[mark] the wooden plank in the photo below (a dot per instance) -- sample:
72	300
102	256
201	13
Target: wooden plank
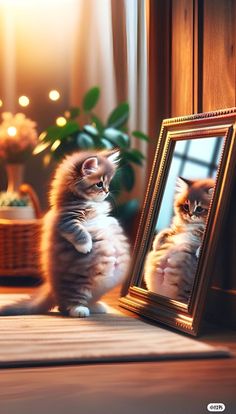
219	54
197	55
144	388
182	58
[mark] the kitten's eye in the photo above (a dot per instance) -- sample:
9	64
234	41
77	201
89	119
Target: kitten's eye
100	184
199	209
186	207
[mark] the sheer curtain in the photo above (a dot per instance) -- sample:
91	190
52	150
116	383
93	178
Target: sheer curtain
111	50
93	62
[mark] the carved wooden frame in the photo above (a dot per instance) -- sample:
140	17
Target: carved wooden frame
182	316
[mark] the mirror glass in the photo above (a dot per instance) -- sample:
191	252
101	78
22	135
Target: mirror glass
171	263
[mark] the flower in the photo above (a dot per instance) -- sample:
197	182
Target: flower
18	137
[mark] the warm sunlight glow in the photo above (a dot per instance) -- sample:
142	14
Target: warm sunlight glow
54	95
12	131
23	100
1	103
55	145
61	121
31	50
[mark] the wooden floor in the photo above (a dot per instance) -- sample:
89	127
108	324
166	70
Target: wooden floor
181	387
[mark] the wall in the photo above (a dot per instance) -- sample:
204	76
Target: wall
203	55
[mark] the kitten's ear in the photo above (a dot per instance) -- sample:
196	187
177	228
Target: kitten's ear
181	185
114	157
188	182
89	166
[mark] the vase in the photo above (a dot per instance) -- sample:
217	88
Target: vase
15	176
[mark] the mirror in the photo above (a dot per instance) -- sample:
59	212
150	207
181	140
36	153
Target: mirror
182	219
171	264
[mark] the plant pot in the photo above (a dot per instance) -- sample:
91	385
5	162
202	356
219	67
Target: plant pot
17	213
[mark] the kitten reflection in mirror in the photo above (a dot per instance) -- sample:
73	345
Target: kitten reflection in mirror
84	250
171	266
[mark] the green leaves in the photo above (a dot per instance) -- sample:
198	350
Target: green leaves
116	183
119	116
60	139
91	98
91	130
97	123
117	138
124	178
95	134
134	155
127	177
104	143
84	141
140	135
57	132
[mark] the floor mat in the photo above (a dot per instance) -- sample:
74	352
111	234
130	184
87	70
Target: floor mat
54	340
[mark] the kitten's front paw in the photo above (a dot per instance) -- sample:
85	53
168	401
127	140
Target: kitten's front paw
79	311
84	247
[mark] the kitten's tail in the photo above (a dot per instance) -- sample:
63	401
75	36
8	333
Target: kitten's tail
38	304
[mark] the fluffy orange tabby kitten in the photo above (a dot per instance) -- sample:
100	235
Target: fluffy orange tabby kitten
84	252
171	266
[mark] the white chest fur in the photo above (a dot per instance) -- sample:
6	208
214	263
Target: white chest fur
100	221
189	237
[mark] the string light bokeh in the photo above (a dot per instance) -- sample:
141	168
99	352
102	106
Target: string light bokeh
24	101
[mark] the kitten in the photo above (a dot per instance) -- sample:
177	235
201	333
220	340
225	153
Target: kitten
84	252
171	266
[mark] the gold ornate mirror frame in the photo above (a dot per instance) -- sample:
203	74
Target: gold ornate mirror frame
185	317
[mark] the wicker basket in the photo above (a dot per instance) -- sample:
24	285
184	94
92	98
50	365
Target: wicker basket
19	243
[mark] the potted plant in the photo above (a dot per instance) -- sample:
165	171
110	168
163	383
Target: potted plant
18	137
14	206
81	129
